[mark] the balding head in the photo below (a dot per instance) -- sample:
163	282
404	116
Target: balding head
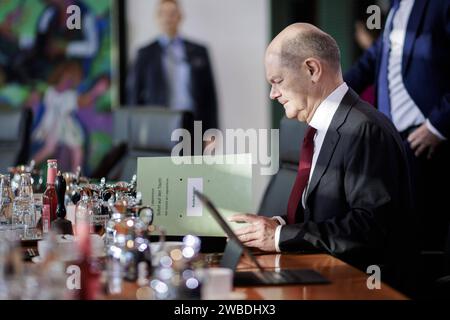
300	41
303	68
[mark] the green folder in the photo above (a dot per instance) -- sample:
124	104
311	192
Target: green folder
167	185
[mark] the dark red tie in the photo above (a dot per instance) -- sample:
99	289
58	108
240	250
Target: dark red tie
304	168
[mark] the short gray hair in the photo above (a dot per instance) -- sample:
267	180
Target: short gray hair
309	44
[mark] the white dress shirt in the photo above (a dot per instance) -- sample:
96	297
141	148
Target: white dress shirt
320	121
178	73
405	113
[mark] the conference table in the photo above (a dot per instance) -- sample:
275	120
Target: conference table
346	282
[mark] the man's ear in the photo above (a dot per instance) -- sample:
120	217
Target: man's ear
314	68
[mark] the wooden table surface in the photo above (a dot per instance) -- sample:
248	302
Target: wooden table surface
347	282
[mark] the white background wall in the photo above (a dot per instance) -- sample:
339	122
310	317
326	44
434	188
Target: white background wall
236	33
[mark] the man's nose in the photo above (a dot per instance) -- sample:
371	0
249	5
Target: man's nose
274	93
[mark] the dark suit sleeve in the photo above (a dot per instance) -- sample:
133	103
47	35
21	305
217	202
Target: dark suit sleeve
440	114
210	96
362	73
372	167
134	80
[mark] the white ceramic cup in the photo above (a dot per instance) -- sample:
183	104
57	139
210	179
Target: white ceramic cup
217	283
44	247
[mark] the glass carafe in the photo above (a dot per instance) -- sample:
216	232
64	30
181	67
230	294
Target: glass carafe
93	210
23	204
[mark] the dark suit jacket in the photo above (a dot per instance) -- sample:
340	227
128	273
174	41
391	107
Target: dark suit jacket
425	64
147	84
358	204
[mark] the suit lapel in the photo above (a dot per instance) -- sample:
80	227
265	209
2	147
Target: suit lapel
331	139
415	19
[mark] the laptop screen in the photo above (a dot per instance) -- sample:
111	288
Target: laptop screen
232	253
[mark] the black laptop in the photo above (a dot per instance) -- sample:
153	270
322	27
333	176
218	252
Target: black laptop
234	250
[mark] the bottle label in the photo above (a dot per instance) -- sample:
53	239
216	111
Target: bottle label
99	219
51	175
46	218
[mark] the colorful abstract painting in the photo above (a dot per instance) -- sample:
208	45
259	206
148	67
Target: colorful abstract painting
62	74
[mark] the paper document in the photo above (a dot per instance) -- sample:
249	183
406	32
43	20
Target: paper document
168	187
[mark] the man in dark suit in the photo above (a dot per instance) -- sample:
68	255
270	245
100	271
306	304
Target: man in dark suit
351	196
410	68
173	72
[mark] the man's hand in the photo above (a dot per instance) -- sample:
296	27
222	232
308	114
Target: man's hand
422	140
259	234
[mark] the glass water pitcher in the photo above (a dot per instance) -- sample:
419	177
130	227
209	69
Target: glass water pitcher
23	204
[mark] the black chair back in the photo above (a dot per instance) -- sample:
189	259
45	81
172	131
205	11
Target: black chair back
276	197
15	126
146	132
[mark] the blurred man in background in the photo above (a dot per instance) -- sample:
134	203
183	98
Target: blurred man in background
174	72
409	66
